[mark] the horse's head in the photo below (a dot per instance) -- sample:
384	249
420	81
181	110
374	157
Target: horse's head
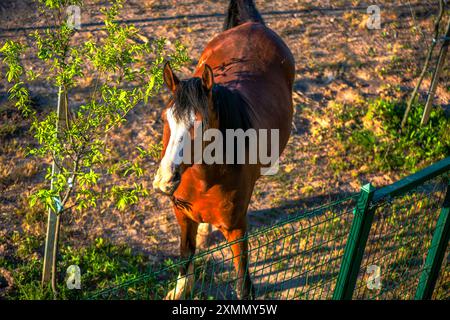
191	103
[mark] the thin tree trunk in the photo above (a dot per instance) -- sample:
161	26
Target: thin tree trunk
52	215
55	255
426	65
54	220
440	65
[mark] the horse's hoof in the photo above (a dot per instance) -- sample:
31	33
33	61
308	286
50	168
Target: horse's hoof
171	295
182	288
174	295
246	293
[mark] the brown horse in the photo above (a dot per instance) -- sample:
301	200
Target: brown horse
243	80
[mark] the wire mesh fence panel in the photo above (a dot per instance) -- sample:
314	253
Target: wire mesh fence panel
302	256
442	290
297	258
398	242
301	260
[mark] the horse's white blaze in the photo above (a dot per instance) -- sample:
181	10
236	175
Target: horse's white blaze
173	155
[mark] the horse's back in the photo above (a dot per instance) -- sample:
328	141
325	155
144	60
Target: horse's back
250	50
254	60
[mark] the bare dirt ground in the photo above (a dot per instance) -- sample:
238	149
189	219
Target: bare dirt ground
337	60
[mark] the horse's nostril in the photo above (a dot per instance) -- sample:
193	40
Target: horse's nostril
176	177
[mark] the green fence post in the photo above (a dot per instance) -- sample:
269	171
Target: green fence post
355	246
436	252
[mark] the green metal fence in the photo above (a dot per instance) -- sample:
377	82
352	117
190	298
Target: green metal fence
403	230
334	251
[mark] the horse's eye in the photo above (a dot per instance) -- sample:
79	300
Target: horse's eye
181	153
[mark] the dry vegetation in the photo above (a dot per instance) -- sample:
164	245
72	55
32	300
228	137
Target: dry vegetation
339	62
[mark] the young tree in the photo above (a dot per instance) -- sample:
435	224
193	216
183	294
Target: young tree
413	97
436	76
127	71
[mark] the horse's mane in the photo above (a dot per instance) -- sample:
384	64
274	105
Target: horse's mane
231	108
191	96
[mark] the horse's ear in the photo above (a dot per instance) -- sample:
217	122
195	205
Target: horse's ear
170	79
208	78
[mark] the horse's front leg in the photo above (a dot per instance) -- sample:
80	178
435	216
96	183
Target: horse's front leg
185	280
244	286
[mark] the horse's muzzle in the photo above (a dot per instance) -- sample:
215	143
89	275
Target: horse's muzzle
166	186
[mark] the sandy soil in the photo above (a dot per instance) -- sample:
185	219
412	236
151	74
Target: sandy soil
337	59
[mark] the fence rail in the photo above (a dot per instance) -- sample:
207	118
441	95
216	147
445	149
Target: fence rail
387	243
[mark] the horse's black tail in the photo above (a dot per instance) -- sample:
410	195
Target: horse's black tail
241	11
